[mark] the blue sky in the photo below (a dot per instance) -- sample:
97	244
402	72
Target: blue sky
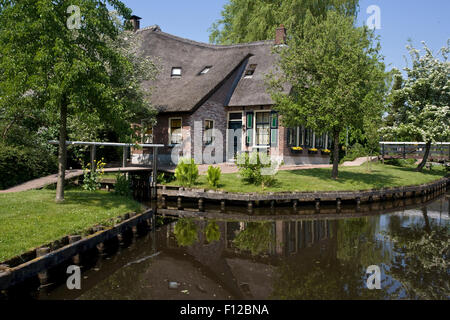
419	20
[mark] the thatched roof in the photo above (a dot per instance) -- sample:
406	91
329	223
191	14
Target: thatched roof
186	93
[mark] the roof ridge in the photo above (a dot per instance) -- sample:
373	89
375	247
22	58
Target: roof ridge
155	29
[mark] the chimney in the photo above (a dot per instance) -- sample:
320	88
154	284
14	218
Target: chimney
135	22
280	35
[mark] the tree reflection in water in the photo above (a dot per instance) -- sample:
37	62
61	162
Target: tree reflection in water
421	263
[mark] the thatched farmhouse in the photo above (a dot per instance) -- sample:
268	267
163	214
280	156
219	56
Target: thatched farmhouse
213	99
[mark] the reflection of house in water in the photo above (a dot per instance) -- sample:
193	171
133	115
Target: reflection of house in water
252	276
288	236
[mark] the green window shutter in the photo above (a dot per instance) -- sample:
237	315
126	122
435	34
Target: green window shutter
273	137
249	120
249	137
274	120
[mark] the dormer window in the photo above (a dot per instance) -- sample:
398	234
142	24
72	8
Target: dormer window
250	71
205	70
176	72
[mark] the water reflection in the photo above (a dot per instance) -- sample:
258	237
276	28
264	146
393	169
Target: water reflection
283	259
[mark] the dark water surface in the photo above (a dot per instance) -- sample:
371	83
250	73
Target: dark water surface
298	258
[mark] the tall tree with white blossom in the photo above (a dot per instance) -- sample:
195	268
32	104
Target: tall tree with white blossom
426	91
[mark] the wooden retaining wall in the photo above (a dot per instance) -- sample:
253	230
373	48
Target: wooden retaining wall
45	259
295	198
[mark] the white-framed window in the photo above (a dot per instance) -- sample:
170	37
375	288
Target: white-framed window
205	70
250	71
209	131
176	72
262	128
175	131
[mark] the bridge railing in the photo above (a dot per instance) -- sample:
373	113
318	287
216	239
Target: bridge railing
440	151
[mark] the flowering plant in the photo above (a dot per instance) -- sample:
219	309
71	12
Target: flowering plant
91	181
297	148
326	151
313	150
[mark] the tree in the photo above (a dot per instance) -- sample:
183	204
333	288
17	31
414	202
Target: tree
250	20
335	75
79	73
396	102
425	115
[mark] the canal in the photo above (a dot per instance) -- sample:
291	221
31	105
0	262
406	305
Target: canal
276	258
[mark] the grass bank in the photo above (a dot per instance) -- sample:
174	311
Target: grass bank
350	179
32	218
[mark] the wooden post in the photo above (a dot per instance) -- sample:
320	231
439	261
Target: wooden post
101	248
201	206
43	276
76	258
134	230
317	204
250	207
358	203
404	151
180	203
120	238
222	205
338	204
155	173
164	202
93	152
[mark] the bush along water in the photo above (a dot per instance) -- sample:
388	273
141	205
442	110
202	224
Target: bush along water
186	172
122	186
213	176
254	168
91	178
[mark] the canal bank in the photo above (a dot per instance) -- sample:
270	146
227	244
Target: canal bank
278	258
37	263
295	199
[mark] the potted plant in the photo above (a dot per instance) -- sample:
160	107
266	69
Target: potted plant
312	151
326	152
297	150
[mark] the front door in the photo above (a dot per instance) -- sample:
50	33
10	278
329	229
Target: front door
234	140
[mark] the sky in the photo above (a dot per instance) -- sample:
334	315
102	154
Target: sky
418	20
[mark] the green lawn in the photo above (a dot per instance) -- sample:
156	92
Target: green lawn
350	178
31	219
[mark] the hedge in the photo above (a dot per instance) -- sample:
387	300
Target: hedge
21	164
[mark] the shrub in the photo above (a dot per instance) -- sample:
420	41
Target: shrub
354	152
21	164
186	172
251	167
401	162
91	178
122	186
165	177
213	176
